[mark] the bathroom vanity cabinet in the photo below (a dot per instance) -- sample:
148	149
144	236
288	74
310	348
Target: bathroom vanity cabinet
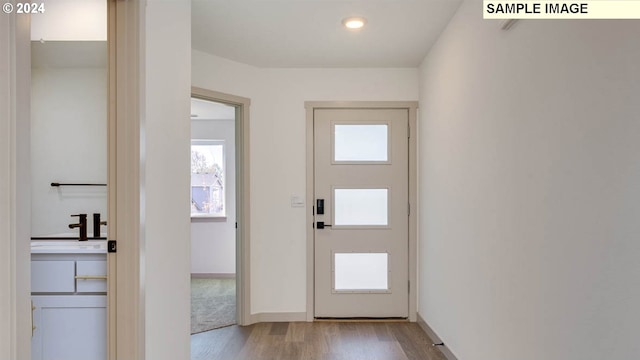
69	302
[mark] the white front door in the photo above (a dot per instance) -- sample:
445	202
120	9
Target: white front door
361	221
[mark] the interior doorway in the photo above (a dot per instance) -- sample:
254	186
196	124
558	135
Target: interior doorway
69	161
124	319
213	217
219	210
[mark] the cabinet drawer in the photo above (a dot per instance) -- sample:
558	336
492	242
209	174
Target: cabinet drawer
52	276
91	276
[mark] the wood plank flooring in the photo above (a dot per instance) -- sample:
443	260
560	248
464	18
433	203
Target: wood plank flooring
315	341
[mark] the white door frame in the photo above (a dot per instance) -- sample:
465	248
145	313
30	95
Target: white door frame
125	309
243	278
15	186
412	107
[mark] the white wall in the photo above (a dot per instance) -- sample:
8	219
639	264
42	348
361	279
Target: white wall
278	145
213	241
530	189
165	176
68	144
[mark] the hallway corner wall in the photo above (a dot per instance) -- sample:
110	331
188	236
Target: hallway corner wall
530	188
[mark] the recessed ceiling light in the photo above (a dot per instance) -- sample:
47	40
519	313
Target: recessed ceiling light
354	23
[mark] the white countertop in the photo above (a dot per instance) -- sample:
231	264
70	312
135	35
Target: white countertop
69	247
74	235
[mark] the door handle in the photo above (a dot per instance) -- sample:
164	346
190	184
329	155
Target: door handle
91	277
33	326
322	225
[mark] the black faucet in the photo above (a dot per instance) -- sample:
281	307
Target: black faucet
82	225
96	225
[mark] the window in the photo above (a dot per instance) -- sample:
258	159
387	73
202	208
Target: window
207	178
361	272
361	207
361	143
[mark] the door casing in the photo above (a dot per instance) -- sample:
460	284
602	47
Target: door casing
243	285
15	186
412	107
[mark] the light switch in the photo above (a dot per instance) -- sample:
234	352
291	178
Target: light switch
297	201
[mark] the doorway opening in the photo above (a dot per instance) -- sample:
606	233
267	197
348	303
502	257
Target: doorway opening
213	204
219	210
69	161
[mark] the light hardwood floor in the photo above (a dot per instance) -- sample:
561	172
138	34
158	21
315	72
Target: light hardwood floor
315	341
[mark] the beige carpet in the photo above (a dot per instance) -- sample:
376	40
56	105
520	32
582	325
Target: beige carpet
213	304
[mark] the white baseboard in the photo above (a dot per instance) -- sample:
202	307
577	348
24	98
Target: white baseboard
279	317
436	339
212	276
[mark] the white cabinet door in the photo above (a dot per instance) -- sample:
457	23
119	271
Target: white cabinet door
70	327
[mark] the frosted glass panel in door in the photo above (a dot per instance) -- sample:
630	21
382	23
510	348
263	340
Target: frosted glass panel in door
360	143
361	271
361	207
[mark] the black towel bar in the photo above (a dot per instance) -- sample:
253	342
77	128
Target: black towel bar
55	184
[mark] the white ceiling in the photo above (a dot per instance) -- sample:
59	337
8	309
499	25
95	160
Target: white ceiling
309	33
70	20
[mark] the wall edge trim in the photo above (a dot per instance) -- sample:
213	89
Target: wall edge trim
435	338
